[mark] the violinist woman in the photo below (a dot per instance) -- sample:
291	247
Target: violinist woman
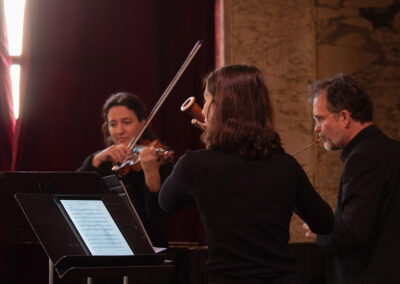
124	117
244	184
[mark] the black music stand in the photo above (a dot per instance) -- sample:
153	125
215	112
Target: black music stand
68	256
16	227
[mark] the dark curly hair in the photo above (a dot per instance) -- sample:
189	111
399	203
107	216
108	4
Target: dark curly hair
242	120
343	92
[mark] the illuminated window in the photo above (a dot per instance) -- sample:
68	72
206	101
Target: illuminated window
14	15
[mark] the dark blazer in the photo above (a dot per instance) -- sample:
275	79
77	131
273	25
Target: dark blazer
364	245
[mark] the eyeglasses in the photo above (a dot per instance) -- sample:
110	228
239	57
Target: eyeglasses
320	119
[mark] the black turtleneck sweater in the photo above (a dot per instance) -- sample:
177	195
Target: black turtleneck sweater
246	207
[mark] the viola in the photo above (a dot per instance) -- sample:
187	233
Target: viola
132	161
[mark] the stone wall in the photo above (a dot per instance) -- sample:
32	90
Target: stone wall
294	42
361	38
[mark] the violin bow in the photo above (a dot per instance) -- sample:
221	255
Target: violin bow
167	91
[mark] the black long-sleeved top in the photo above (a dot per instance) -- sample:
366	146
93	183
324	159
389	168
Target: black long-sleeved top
364	243
246	207
145	201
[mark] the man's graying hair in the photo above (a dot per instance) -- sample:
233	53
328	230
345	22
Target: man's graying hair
343	92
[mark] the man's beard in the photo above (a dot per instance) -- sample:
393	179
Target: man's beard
329	145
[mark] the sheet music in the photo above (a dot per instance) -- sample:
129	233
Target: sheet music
96	227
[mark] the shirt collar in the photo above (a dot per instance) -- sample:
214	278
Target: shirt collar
363	134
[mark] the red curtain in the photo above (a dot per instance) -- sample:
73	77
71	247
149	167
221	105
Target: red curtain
7	122
80	52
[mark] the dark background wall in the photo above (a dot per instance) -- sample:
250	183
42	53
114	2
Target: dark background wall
76	53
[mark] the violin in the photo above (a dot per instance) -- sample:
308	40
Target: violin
132	161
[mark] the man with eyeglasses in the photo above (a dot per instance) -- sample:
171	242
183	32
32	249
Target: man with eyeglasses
364	244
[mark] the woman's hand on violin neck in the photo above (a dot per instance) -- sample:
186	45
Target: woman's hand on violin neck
114	153
149	159
151	164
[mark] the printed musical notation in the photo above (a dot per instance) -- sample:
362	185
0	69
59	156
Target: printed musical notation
96	227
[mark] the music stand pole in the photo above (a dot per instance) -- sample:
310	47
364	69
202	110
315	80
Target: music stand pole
51	272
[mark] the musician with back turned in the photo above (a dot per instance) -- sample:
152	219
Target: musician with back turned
364	245
244	183
124	117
